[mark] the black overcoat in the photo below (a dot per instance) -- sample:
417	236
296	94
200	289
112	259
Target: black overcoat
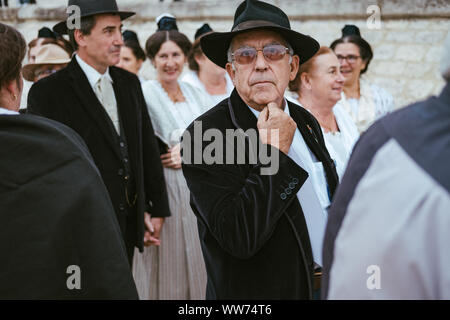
67	97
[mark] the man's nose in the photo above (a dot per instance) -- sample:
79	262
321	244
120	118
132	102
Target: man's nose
261	62
118	39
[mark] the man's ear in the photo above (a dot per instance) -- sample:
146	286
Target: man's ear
231	72
79	38
295	63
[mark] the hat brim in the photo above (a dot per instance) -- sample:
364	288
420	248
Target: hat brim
215	45
29	69
61	27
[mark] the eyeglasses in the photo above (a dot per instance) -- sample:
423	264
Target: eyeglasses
271	52
350	58
45	72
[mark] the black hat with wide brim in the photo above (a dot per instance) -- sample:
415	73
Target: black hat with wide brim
254	15
90	8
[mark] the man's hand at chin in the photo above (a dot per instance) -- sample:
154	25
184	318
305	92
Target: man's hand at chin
273	121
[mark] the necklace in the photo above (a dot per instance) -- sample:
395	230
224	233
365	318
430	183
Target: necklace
177	96
333	129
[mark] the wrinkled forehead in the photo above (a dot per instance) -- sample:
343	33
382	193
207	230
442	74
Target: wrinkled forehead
257	39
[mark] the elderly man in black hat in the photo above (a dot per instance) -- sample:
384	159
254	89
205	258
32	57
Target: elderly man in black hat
105	106
261	231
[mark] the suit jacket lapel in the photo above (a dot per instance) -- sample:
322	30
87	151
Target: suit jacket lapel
127	111
243	118
91	104
311	133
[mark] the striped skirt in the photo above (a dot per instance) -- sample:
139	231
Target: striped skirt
175	270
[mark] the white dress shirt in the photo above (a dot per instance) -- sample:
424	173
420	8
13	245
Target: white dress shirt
313	195
7	111
94	78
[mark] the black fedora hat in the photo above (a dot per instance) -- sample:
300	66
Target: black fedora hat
90	8
253	15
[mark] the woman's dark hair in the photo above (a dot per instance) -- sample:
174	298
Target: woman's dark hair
131	41
351	34
196	51
156	40
12	51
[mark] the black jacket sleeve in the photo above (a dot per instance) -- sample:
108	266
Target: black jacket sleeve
239	205
154	181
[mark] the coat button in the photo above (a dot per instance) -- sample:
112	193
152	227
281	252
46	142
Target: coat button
295	180
288	191
283	196
121	207
291	185
126	159
120	172
122	144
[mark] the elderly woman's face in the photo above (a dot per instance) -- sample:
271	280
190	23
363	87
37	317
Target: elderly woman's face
350	60
169	62
261	80
46	70
326	79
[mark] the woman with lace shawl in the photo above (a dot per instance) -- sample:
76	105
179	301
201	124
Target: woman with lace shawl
173	268
364	101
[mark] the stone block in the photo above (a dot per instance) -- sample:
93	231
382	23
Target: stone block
419	89
430	36
387	68
434	54
384	51
401	36
410	53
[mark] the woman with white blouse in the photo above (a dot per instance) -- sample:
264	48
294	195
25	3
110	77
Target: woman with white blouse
318	87
173	269
364	101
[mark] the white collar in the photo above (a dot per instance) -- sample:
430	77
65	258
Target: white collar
92	75
7	111
286	109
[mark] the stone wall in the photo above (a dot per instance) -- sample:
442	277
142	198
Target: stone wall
407	46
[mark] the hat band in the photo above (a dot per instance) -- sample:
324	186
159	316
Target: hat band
254	24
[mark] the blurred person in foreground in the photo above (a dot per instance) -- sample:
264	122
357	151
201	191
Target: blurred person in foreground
131	54
206	75
105	106
55	211
388	232
261	223
318	86
175	270
364	101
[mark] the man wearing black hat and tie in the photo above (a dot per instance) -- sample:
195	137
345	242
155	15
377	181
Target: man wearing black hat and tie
260	232
105	106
